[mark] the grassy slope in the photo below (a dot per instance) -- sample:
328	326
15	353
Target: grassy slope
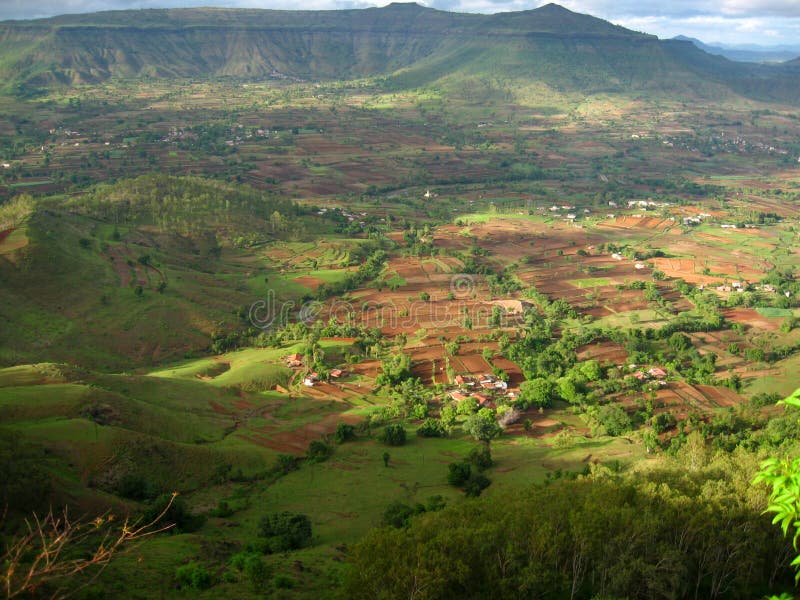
552	45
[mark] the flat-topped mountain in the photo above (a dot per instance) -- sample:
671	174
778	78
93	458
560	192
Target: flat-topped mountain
409	44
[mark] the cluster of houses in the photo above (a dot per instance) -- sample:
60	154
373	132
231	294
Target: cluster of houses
743	286
296	361
655	374
350	216
638	266
484	389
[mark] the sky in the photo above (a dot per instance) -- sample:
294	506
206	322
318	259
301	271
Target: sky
763	22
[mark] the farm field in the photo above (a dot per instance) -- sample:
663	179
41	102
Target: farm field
374	305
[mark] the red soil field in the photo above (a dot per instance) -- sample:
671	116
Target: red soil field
750	317
311	283
604	352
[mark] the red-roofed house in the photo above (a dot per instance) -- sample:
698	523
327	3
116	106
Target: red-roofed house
294	360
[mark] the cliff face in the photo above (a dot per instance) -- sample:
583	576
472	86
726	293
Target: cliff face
409	44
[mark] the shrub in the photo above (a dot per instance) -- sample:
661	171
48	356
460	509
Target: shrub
481	457
398	514
394	435
476	484
285	530
458	473
285	464
432	428
177	514
318	451
193	577
256	572
344	433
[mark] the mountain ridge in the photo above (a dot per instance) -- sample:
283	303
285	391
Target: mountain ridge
552	44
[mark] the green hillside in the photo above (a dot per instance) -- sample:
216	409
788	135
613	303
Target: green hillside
410	44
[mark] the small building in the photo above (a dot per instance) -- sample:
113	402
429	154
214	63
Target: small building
308	382
458	396
658	373
500	385
459	379
640	376
294	360
639	266
484	401
337	373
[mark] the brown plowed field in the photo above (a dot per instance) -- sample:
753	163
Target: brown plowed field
751	318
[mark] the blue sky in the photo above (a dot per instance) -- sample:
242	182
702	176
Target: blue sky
765	22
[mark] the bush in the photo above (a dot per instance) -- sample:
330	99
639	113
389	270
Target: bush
662	421
318	451
614	419
193	577
394	435
136	487
458	473
285	531
481	457
476	484
256	572
398	514
344	433
177	514
285	464
764	399
432	428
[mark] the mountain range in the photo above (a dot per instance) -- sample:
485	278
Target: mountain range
747	53
407	44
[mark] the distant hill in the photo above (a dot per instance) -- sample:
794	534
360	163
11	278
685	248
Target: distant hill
757	54
408	44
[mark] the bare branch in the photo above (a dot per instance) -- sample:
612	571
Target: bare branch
49	540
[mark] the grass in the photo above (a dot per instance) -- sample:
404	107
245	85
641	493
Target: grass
770	312
590	282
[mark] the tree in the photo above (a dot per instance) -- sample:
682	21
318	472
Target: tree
482	425
452	348
614	419
539	392
395	369
783	477
481	457
394	435
458	473
432	428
